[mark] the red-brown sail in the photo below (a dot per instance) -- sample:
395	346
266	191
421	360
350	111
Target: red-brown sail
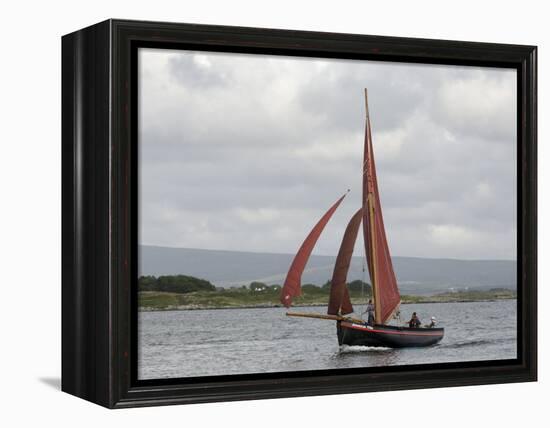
339	302
384	285
293	282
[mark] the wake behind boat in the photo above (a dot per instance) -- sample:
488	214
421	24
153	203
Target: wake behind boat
385	292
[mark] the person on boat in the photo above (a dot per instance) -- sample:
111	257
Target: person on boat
414	321
370	313
432	323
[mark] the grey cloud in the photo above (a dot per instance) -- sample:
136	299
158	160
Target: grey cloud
188	70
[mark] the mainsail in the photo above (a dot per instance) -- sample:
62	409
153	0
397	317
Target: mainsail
293	282
384	285
339	302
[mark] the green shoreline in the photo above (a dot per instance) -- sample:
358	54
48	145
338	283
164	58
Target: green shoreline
150	301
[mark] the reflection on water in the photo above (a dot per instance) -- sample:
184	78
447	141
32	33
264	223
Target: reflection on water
377	356
230	341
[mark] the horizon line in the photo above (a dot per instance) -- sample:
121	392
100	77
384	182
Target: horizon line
320	255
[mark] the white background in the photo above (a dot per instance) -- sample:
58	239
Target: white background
30	212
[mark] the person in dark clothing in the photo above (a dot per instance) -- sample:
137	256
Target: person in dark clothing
414	321
370	313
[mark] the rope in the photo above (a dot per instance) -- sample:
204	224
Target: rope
363	282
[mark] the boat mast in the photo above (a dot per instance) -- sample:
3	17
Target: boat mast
372	235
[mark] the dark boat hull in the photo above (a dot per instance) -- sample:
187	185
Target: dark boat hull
353	334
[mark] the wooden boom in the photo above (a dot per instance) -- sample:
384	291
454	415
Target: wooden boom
324	317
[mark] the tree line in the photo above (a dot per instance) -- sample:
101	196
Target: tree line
187	284
174	284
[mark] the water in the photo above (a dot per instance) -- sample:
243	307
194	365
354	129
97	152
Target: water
231	341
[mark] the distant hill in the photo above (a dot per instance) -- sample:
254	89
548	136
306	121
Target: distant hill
235	268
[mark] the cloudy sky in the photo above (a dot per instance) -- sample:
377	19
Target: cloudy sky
246	152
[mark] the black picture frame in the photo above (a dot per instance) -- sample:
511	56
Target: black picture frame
99	185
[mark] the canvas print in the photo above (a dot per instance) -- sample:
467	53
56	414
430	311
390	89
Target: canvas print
301	214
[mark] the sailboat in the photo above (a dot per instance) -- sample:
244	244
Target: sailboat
350	330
